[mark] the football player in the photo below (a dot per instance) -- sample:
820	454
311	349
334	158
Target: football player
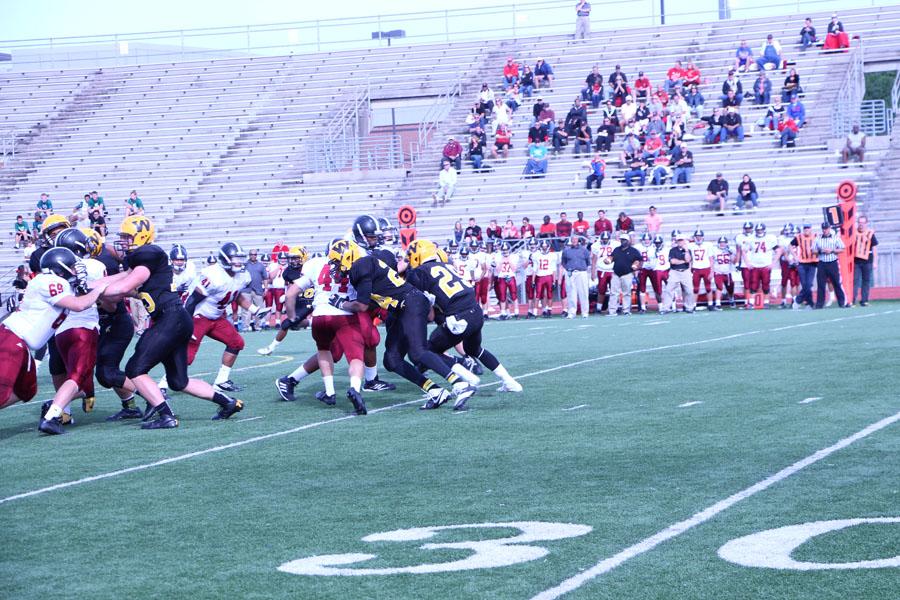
722	266
602	265
548	272
375	282
184	271
659	256
457	313
505	287
646	273
761	252
284	275
482	274
701	266
48	300
389	233
741	241
149	276
790	274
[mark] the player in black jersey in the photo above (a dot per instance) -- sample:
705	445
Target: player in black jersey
148	276
376	282
456	310
297	255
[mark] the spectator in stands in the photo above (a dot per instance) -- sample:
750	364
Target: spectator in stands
20	284
458	232
582	19
678	106
543	74
743	57
473	231
96	201
593	77
134	205
683	164
762	89
732	125
653	221
598	172
663	96
606	135
807	34
560	138
732	83
714	127
37	224
770	54
620	91
512	98
548	117
44	205
642	86
583	138
494	232
510	231
475	119
661	170
279	247
502	112
602	223
624	223
797	111
717	194
575	117
642	114
527	229
836	37
548	229
791	86
452	154
674	77
731	100
446	184
616	74
510	73
691	74
773	115
746	193
502	139
628	110
612	113
694	100
653	147
98	222
563	226
485	100
788	129
537	160
580	227
855	146
23	233
679	128
476	151
526	83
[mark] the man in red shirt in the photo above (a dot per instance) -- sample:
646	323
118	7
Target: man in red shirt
548	229
453	153
580	227
691	75
527	228
602	223
788	128
642	86
279	246
510	73
563	227
674	77
653	147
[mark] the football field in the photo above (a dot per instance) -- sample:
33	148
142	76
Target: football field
742	454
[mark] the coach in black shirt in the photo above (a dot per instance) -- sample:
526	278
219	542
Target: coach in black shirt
626	261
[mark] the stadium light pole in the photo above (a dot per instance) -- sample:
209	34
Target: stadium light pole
662	12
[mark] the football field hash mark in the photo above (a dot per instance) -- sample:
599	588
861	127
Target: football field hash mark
809	400
575	407
694	403
214	449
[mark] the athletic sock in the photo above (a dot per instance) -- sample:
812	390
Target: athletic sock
165	409
221	399
355	383
67	409
465	374
371	373
163	383
299	373
328	380
452	378
224	374
53	412
502	373
427	385
129	402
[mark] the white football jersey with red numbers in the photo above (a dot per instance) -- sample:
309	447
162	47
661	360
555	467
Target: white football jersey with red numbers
723	261
740	241
461	268
506	266
545	264
221	288
701	254
89	318
181	282
475	267
645	252
38	317
760	251
604	255
525	265
317	275
660	258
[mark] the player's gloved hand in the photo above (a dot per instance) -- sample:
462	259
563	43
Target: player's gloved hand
81	286
335	300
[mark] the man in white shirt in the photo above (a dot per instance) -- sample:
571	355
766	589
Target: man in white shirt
855	146
446	184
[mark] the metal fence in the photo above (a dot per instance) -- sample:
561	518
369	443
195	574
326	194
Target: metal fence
336	146
436	113
875	118
846	110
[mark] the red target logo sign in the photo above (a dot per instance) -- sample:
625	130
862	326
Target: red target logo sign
406	216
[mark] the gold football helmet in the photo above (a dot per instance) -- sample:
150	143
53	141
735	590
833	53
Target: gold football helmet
342	254
297	255
135	231
421	251
95	240
52	226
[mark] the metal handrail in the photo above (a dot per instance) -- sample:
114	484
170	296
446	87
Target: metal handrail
846	110
337	146
436	113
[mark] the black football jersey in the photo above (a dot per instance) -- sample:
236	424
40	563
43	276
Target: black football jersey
452	295
156	292
34	261
386	255
377	282
111	262
291	275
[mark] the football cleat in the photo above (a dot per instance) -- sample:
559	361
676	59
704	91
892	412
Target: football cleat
462	392
472	365
126	413
264	351
325	398
510	386
436	397
161	422
227	386
285	387
356	399
150	412
233	406
87	403
377	385
165	394
51	426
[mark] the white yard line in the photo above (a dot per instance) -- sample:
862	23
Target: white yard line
250	419
694	403
276	434
672	531
576	407
809	400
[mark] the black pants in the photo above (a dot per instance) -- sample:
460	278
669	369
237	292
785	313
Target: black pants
408	335
116	331
165	341
828	271
862	279
442	339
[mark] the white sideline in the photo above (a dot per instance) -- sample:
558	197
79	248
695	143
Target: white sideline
260	438
647	544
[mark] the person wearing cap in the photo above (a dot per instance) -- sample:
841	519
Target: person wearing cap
769	54
576	260
452	153
797	111
836	37
606	135
642	86
594	77
582	19
743	57
733	125
807	263
626	262
680	276
865	260
510	73
254	290
788	129
827	246
717	194
682	163
732	83
543	73
807	34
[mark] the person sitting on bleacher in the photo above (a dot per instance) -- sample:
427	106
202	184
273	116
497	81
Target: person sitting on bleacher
617	73
577	115
695	100
475	119
526	83
655	126
37	225
510	73
606	135
674	77
677	128
628	109
791	85
44	205
747	194
476	151
592	78
636	168
96	201
543	73
789	130
642	86
452	153
836	37
98	222
510	231
485	100
624	223
855	146
548	117
797	111
732	125
620	91
661	95
446	185
537	160
773	115
512	98
770	54
502	139
714	127
598	172
502	113
653	147
642	114
661	171
717	194
678	107
527	229
691	74
631	147
612	113
133	205
538	132
743	57
23	233
583	138
762	89
731	100
732	84
683	163
560	138
807	34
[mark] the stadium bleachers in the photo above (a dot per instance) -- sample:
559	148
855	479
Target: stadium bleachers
215	147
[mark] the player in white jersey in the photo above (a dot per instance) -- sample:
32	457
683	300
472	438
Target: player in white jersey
645	247
547	271
529	281
183	271
460	264
701	265
505	287
761	251
48	300
723	267
602	267
659	259
480	256
790	275
740	241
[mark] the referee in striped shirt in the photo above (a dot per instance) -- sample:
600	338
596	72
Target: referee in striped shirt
827	246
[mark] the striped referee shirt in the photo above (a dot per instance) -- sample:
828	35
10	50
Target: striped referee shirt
827	247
